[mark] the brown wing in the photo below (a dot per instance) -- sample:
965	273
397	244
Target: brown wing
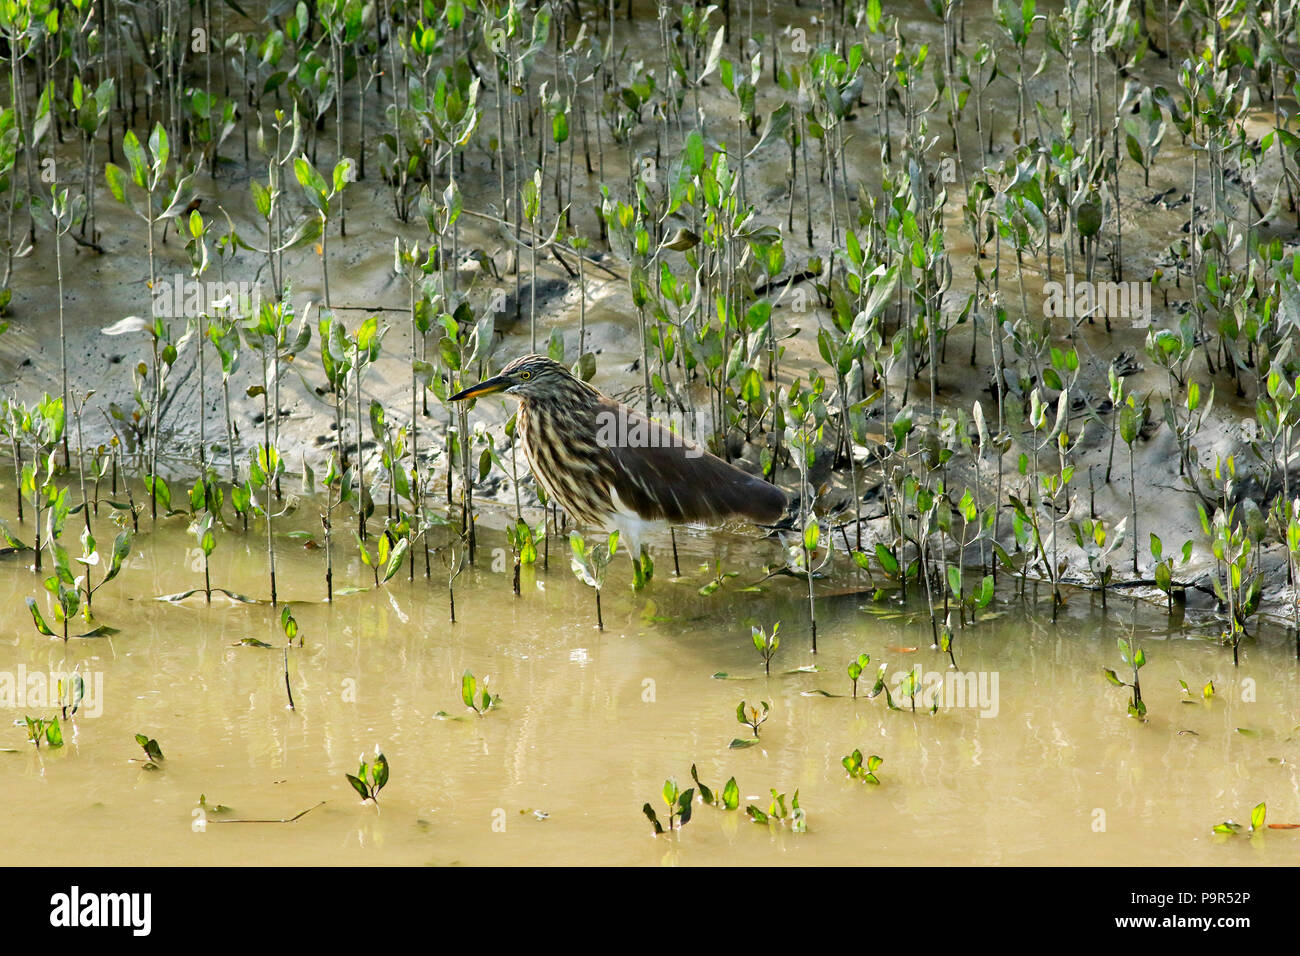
665	477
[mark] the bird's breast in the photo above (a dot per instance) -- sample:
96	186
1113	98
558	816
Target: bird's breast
565	459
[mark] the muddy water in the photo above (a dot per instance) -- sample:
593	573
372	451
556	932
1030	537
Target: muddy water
591	723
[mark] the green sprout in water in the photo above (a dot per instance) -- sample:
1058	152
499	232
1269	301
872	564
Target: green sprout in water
1190	696
679	808
856	667
589	565
371	777
289	624
387	557
39	729
766	644
858	770
1136	658
1257	815
751	717
151	751
478	702
728	798
777	813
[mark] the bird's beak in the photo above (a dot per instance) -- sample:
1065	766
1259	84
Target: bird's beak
498	384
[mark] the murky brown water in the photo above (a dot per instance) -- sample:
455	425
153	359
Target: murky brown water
592	723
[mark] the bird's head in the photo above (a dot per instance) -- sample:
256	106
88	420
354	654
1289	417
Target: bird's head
529	376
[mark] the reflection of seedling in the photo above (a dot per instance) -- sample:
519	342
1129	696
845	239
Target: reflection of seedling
480	703
39	729
726	799
371	777
751	717
766	645
777	813
679	808
866	772
151	750
1136	658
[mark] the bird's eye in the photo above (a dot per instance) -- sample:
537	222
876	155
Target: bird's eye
525	375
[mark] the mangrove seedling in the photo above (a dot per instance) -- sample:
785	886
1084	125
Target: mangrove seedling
858	770
387	556
856	667
777	812
751	717
589	565
479	702
457	561
523	545
679	808
1257	816
766	644
728	798
1136	658
1164	567
911	685
289	624
76	688
1191	697
1098	544
371	777
153	753
39	728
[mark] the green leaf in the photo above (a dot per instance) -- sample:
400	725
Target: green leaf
357	785
468	688
38	619
731	795
395	559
